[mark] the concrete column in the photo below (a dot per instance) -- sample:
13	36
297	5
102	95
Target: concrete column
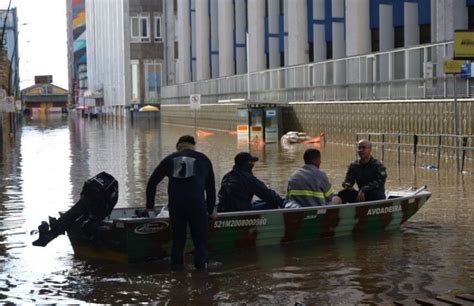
319	31
386	31
434	21
386	36
256	20
184	42
411	26
226	42
338	41
240	37
273	30
169	39
202	40
214	40
460	15
297	32
448	16
358	25
412	38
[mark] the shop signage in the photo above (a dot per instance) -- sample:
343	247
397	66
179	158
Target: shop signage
464	45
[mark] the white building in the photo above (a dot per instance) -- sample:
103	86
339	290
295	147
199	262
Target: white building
127	43
202	41
281	33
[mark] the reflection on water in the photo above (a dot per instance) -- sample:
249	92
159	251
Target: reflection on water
44	167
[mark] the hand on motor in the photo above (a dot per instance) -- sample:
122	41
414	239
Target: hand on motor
360	197
213	216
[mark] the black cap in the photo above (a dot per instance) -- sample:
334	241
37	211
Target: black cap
244	157
186	138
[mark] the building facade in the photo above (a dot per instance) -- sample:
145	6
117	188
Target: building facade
77	56
282	33
143	51
9	70
128	43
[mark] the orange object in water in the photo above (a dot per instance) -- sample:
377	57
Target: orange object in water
316	139
257	141
202	134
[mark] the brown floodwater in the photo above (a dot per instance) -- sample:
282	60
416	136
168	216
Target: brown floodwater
43	168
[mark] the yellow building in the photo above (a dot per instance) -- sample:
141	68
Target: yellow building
44	98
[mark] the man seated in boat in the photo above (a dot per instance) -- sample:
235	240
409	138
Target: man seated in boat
368	173
309	186
240	185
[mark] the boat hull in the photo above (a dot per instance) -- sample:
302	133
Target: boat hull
127	239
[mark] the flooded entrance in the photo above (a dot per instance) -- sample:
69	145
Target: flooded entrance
44	167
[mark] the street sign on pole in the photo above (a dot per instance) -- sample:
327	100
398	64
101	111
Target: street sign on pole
466	70
195	102
452	66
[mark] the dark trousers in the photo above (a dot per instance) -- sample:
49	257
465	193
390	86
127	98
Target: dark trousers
194	214
350	195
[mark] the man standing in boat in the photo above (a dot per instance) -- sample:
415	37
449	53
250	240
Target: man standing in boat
309	186
240	185
190	175
369	174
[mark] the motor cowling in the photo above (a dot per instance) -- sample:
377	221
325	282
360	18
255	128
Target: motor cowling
100	195
98	198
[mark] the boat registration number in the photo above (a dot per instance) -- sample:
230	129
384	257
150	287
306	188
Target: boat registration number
239	223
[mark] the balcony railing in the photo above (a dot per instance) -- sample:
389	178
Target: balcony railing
400	74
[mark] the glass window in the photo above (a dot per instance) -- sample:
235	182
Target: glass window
152	81
135	28
140	28
157	28
144	27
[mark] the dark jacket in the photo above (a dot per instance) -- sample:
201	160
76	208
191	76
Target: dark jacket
238	188
369	177
190	174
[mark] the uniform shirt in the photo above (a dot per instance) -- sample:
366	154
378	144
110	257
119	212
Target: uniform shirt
309	186
369	177
190	174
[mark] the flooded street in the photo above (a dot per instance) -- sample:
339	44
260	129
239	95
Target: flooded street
43	169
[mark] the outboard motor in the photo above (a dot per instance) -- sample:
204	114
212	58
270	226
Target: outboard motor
98	198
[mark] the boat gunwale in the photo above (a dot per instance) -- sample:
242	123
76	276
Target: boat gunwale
421	194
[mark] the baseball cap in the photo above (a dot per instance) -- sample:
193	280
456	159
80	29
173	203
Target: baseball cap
186	138
244	157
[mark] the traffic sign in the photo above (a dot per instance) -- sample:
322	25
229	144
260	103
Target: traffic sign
195	101
466	70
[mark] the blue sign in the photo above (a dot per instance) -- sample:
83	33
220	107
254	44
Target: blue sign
466	70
